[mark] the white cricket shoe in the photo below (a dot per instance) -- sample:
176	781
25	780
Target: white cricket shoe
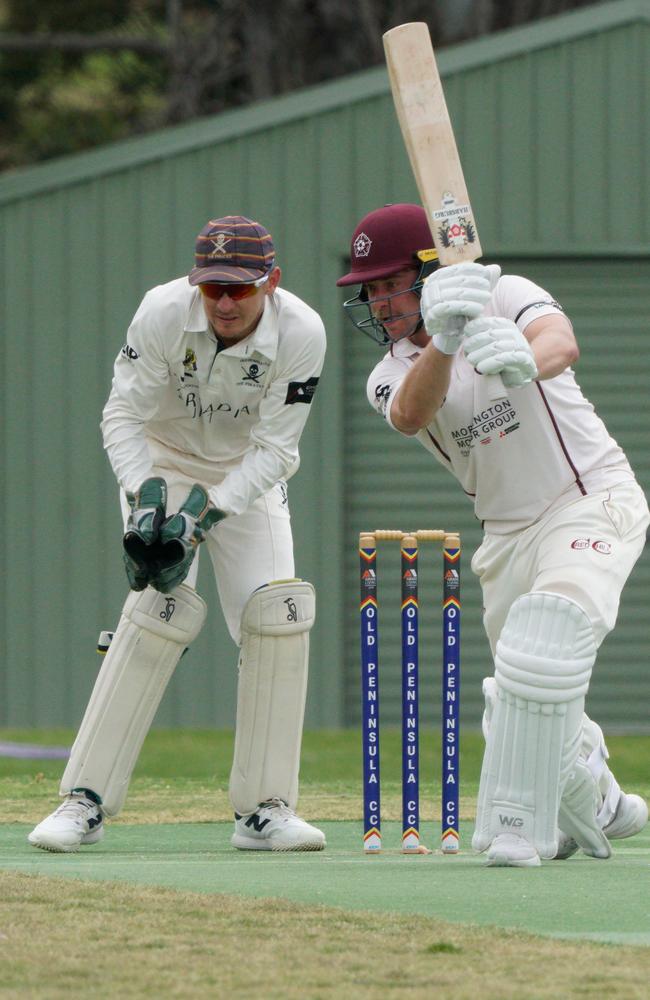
629	819
509	850
275	827
77	821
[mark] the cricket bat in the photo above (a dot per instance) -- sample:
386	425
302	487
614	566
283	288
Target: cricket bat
431	146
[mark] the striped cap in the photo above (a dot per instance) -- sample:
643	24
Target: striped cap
232	249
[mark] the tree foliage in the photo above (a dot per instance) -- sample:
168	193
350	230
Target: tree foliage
78	73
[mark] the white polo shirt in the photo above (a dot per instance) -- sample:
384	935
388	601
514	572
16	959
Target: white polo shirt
520	457
229	419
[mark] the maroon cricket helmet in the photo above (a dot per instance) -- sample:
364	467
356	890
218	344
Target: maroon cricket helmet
386	241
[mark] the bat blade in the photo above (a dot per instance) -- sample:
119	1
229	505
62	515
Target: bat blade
431	146
430	142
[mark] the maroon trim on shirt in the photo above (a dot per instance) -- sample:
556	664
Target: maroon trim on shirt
532	305
443	453
575	472
446	456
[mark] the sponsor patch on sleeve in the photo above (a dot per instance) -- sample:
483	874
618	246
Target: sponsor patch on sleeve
382	394
302	392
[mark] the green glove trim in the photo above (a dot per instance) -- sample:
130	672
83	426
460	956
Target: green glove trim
141	542
179	537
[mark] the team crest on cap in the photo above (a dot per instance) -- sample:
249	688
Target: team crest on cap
219	243
361	245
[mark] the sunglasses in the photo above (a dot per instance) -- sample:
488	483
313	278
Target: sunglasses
242	290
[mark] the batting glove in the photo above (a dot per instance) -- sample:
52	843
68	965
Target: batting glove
496	345
451	296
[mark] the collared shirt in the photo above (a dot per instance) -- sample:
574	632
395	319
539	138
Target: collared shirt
230	419
520	457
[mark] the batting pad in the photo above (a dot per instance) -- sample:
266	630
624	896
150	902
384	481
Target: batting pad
591	793
152	634
543	665
596	755
271	693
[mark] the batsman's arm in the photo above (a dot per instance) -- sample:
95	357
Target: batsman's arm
422	391
553	344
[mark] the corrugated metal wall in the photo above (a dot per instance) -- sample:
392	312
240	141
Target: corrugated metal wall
551	122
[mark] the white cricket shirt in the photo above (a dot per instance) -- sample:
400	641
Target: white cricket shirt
229	419
520	457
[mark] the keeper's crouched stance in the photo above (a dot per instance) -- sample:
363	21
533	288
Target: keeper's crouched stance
154	630
209	399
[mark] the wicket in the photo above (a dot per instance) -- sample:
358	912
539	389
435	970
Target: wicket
369	613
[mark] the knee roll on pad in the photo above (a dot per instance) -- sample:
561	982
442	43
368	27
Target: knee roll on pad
546	649
153	632
271	694
543	664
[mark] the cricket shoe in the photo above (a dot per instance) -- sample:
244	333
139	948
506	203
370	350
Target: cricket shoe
275	827
77	821
509	850
629	819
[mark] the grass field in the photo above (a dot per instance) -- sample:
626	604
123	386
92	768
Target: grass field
167	909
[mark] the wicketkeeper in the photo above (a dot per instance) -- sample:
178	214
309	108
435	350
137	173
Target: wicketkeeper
564	520
210	396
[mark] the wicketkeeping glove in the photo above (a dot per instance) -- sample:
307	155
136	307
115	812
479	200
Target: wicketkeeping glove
495	345
148	506
179	537
451	296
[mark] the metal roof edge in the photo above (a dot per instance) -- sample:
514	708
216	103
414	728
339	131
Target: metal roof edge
177	139
367	84
560	28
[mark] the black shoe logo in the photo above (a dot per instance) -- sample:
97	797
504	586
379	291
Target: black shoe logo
257	823
92	823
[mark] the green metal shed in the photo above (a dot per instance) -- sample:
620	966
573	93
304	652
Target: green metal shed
551	121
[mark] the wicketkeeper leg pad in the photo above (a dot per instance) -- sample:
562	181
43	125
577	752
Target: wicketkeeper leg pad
153	632
543	663
271	694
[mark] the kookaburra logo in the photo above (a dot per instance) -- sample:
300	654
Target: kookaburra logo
220	242
168	610
292	609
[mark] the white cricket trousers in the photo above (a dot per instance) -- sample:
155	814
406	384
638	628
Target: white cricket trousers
584	551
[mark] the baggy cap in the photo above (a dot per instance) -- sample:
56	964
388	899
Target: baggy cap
232	249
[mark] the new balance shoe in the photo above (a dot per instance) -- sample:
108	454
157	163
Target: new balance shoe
77	821
629	819
275	827
509	850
